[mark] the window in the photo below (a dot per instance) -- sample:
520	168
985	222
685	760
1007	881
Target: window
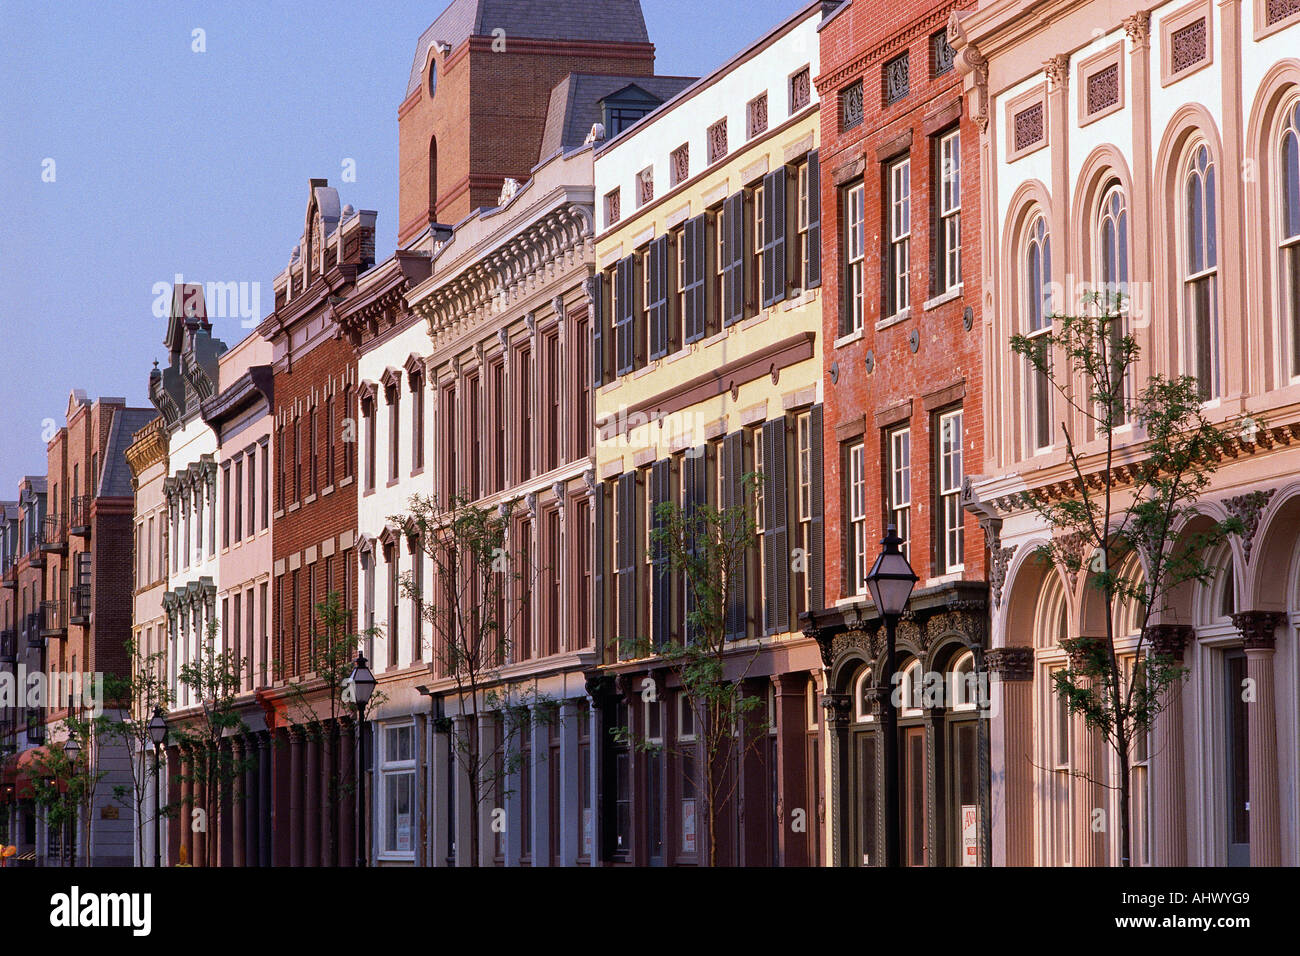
398	775
864	697
417	586
297	458
948	260
800	90
851	107
1112	231
328	454
899	472
551	383
266	486
225	506
950	540
686	738
349	435
524	411
311	451
941	53
1289	252
854	253
394	397
1038	325
475	437
613	211
417	422
757	278
1200	274
719	262
857	509
894	79
717	140
804	250
756	116
900	236
912	690
368	415
391	556
804	484
252	489
963	689
239	500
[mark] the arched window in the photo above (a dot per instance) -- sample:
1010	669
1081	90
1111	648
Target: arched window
1038	322
913	690
962	691
1112	268
1289	265
1201	273
864	695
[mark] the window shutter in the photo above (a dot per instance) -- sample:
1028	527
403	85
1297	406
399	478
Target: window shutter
695	237
598	329
695	488
733	458
816	529
774	243
660	585
776	549
813	216
625	276
733	253
600	557
657	307
626	557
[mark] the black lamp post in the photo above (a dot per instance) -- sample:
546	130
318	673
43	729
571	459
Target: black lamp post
71	750
363	685
890	580
158	734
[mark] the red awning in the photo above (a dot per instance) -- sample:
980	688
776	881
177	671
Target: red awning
17	771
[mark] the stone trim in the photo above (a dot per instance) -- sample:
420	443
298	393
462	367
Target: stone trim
1258	628
1010	663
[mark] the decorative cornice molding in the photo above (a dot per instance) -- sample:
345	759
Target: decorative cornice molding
1247	509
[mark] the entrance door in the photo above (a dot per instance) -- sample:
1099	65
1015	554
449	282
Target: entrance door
1238	763
914	829
864	786
963	801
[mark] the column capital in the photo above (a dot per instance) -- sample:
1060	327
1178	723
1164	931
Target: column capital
1138	28
1057	68
839	709
1168	640
1258	628
1010	663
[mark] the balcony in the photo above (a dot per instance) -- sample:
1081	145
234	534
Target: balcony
79	516
8	646
79	604
10	576
32	629
35	726
55	623
54	534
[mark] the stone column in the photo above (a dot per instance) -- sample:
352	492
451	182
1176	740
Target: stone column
1258	632
1167	757
570	781
540	776
171	793
347	776
1011	754
296	765
199	761
329	796
240	797
252	799
264	804
312	798
837	715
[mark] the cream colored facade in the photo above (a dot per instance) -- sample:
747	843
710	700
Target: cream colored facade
1168	124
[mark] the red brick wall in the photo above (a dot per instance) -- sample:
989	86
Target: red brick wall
330	361
488	116
856	45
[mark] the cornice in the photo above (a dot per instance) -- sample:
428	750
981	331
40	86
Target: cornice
148	448
831	81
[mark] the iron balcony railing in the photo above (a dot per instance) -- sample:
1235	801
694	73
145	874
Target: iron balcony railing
56	620
8	646
32	629
79	603
79	515
35	726
54	533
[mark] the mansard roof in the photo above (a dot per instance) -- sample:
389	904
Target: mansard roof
576	104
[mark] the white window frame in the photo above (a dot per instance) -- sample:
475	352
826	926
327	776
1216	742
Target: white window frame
908	685
899	474
1038	310
950	209
959	688
801	220
855	255
1189	345
900	235
858	514
1116	216
389	769
1289	246
864	681
950	474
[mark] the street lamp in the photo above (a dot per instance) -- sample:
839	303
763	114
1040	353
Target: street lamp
363	685
158	734
890	581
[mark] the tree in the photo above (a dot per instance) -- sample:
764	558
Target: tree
64	785
213	678
1119	508
707	547
141	690
473	630
320	703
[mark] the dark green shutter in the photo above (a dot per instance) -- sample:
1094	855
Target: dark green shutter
774	237
695	236
776	546
733	463
598	329
598	577
626	557
816	530
657	307
733	255
660	584
813	216
624	322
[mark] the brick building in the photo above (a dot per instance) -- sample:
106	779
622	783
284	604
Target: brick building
900	200
495	62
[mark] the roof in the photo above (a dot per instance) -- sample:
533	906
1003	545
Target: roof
575	104
115	477
601	21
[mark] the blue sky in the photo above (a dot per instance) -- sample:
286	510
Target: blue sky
167	161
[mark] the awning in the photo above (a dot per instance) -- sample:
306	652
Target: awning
17	771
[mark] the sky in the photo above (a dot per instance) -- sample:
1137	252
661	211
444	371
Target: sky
128	157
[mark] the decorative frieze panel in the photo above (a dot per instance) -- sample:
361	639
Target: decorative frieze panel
1247	509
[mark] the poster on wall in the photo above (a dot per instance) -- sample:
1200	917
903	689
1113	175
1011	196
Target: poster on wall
688	826
969	835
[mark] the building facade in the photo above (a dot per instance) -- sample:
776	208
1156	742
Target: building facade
900	192
707	367
1111	140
